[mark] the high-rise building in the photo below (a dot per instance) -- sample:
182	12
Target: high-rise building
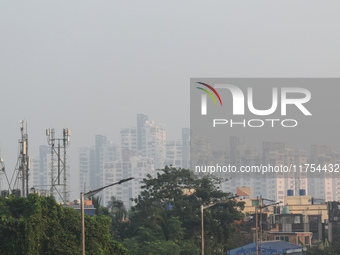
34	177
320	183
147	140
86	164
141	120
142	149
336	178
91	162
173	153
153	145
38	178
40	169
96	175
128	142
301	180
44	165
186	148
115	171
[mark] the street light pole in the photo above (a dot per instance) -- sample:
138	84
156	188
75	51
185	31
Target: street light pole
261	206
202	229
256	232
91	193
82	223
261	223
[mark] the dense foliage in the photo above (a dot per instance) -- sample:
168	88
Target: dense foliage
167	220
325	248
38	225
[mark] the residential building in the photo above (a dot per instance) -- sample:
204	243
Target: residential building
185	148
115	171
320	183
173	153
86	168
35	178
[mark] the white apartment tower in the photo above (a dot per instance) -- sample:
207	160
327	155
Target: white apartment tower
137	167
173	152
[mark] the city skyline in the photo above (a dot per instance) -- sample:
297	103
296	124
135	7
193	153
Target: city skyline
73	162
130	146
127	87
93	68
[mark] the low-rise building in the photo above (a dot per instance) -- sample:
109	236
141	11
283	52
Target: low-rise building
269	247
298	238
305	205
89	208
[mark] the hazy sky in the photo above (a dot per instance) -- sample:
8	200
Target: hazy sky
91	66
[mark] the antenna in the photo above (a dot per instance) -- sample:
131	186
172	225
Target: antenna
22	167
61	166
3	172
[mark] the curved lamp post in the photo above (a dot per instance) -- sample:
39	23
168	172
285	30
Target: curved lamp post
89	194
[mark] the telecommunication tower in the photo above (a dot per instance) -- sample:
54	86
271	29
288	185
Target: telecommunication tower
3	172
59	167
23	164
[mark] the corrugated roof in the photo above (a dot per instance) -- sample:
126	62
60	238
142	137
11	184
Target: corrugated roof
279	246
282	245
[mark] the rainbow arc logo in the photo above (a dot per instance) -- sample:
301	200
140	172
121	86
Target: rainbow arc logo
209	93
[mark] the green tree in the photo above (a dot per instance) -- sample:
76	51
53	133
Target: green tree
165	213
100	210
322	249
118	209
39	225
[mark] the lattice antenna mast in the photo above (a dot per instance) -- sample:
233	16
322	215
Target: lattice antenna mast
50	133
21	171
61	166
66	140
23	160
3	172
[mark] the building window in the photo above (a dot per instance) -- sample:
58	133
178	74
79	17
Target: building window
255	202
306	240
282	238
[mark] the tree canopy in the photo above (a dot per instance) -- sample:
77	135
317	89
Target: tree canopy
166	218
39	225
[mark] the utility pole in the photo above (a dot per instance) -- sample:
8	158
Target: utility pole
261	206
82	223
202	229
261	201
257	229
